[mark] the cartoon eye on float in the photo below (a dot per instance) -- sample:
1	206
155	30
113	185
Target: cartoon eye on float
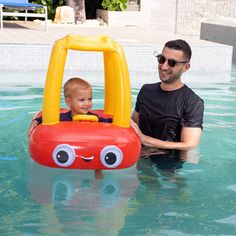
111	156
63	155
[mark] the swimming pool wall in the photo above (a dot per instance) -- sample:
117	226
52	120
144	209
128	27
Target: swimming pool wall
140	58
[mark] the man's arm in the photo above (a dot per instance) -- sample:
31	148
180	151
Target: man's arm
135	117
190	137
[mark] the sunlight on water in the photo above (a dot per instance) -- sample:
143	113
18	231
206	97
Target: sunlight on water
165	196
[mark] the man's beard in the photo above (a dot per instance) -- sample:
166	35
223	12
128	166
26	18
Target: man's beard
170	80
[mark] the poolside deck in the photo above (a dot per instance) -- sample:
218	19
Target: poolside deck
136	41
33	33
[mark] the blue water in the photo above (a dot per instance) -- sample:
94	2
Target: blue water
170	197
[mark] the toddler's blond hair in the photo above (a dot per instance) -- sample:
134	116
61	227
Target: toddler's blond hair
73	84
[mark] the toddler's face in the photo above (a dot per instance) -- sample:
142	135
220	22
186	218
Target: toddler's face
81	101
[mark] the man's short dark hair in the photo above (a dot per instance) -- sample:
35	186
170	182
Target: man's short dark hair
181	45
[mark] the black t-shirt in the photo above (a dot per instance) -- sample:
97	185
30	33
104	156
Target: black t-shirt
67	117
162	114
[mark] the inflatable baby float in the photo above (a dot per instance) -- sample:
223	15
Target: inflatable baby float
85	143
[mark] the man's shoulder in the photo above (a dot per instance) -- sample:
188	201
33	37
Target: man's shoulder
190	94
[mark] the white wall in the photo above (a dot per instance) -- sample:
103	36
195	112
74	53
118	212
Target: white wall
191	14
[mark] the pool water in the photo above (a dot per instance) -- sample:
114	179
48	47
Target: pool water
168	197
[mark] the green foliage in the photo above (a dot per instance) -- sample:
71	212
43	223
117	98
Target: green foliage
51	4
115	5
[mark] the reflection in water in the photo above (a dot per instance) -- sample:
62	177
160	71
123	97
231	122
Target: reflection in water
162	167
62	192
98	204
161	182
110	192
175	158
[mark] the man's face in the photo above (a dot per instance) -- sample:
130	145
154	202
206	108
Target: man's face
170	74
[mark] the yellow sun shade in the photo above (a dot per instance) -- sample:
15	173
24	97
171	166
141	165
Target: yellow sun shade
117	83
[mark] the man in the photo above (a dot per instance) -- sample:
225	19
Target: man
168	114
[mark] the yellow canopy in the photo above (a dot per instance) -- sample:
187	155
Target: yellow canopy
117	83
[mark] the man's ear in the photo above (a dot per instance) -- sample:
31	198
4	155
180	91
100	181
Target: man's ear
186	67
68	102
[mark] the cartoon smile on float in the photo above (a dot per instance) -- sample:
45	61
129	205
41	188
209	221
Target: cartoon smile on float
85	143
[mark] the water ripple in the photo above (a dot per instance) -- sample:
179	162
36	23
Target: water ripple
228	220
13	108
19	97
232	187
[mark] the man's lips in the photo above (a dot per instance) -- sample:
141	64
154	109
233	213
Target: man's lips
164	72
87	159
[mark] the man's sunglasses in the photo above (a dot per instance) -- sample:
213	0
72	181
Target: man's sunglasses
171	62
